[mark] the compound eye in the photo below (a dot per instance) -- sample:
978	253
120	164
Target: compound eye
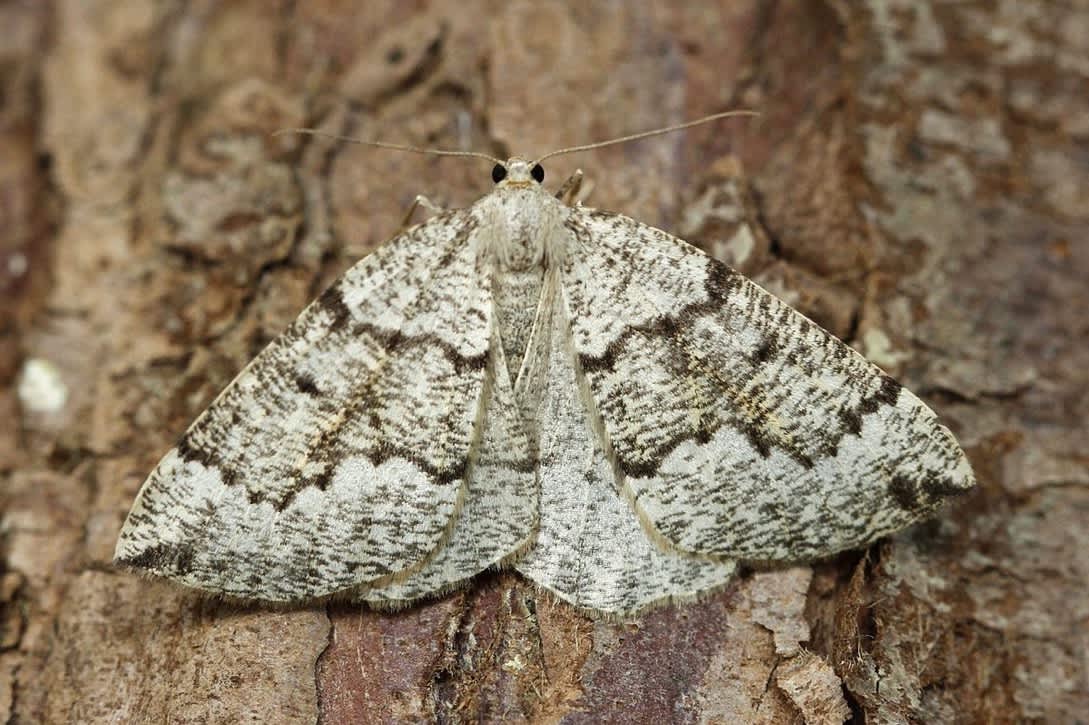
499	172
537	172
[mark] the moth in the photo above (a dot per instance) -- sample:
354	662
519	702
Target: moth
534	384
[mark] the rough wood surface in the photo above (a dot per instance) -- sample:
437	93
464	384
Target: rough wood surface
917	183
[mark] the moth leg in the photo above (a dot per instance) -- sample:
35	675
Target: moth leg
569	190
420	201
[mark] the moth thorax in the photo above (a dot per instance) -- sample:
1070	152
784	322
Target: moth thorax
521	241
521	229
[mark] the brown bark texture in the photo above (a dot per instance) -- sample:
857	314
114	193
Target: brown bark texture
917	182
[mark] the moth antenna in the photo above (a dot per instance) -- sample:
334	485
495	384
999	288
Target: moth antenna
384	145
645	134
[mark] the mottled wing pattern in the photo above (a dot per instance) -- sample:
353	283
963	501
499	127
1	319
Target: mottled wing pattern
740	428
591	549
499	516
339	455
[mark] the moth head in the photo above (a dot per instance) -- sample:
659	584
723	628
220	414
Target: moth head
517	172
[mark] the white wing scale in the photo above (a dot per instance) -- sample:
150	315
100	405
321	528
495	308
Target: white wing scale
338	455
742	429
499	516
591	549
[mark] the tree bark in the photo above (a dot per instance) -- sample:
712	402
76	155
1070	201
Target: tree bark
916	183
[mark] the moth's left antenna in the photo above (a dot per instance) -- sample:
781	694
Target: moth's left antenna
646	134
384	145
